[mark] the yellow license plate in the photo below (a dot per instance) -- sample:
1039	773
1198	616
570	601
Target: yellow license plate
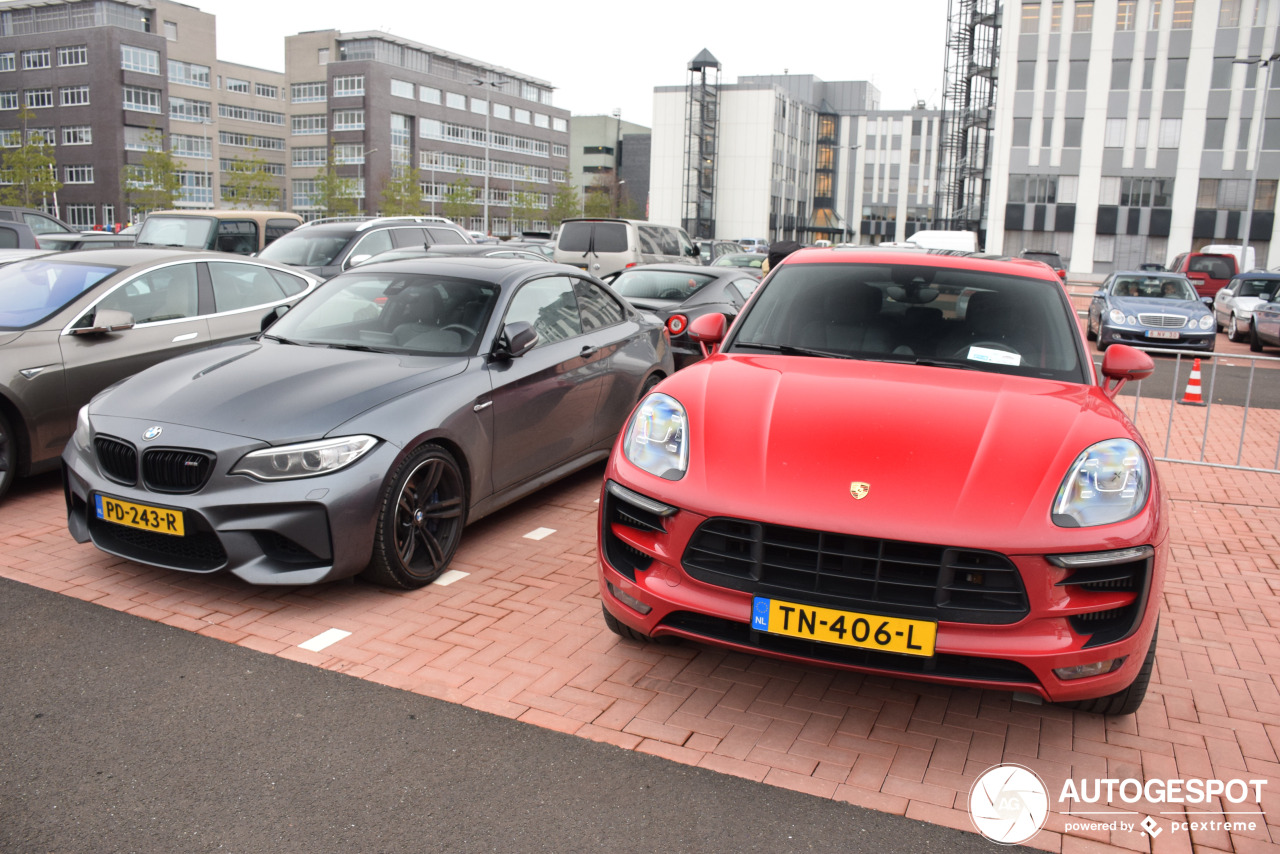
161	520
844	628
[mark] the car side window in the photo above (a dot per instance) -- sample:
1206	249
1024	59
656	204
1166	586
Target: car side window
290	283
598	308
42	224
550	306
237	286
407	238
167	293
239	236
372	243
445	235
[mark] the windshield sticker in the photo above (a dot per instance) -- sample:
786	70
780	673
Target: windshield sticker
995	357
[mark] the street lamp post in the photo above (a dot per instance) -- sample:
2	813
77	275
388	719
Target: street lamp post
1259	134
488	113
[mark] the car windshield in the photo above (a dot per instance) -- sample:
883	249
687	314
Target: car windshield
740	260
1257	288
392	312
918	314
32	290
1153	287
306	249
639	283
1053	259
191	232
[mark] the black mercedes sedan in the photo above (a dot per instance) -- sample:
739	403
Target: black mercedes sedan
677	294
366	427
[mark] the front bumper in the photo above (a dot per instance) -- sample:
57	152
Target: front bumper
646	584
290	532
1137	337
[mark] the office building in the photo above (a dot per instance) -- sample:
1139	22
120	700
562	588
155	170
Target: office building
611	156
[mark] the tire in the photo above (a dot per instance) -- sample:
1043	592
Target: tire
420	520
1233	329
1089	334
648	386
621	629
1255	343
1100	344
8	455
1127	700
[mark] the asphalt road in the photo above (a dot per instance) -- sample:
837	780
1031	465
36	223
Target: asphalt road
118	734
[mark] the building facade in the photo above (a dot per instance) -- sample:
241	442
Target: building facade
798	158
611	156
1129	131
102	79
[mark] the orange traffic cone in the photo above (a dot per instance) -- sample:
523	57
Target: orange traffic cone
1192	396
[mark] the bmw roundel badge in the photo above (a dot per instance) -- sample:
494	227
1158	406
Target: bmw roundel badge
150	433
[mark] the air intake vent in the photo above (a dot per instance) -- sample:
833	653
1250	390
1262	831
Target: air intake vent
175	470
117	459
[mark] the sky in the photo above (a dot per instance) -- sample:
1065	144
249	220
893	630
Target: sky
609	55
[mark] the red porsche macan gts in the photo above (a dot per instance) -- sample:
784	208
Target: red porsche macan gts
897	462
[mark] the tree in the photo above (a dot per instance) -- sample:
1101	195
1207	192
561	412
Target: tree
525	208
564	202
333	194
248	184
154	183
460	200
29	170
401	195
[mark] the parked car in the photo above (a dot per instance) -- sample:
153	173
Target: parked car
751	262
72	324
39	222
1233	305
898	463
402	400
543	247
17	235
712	250
1053	259
240	232
325	248
1264	328
450	250
1152	266
604	246
72	241
1150	310
678	295
1208	272
754	244
10	256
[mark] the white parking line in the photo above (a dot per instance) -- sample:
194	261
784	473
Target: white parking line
324	639
450	577
539	534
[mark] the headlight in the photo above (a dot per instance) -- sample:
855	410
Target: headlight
1117	317
1108	483
307	459
657	439
1206	322
84	433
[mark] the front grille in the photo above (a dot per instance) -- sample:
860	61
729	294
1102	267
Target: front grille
198	551
175	470
850	572
117	459
941	664
1164	321
1112	623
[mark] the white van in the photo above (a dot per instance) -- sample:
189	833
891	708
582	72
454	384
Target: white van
960	241
1250	261
603	246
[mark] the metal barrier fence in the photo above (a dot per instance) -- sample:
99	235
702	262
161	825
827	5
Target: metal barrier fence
1252	448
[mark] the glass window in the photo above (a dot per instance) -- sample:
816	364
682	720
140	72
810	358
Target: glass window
1176	77
1083	21
1126	14
598	308
1030	17
142	100
37	98
77	174
1055	16
7	61
351	84
1220	78
77	135
78	55
1072	132
1021	133
73	96
550	306
303	93
1229	13
1215	133
237	286
33	59
1077	73
168	293
1113	136
1026	74
1182	14
236	85
455	101
428	95
1148	72
1154	20
139	59
401	88
1120	73
1170	133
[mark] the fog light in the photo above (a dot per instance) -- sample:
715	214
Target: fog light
1083	671
630	601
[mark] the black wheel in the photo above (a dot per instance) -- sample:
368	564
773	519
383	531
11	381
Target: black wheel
8	455
1100	344
419	521
621	629
1089	334
648	386
1127	700
1233	330
1255	343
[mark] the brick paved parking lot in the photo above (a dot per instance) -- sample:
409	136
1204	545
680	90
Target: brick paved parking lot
516	631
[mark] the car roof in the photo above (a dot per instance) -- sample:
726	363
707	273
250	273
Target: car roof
1257	274
1026	267
1151	274
691	269
500	270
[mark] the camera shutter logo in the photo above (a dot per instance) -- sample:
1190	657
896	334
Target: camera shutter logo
1009	804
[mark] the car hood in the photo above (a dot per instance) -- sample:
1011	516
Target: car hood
271	392
951	456
1165	306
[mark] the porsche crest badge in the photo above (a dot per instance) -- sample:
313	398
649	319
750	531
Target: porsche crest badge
859	490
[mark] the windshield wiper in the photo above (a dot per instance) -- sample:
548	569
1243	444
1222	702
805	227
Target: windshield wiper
788	350
949	363
282	340
360	348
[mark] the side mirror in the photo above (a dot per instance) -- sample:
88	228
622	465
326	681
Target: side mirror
520	337
1123	363
708	330
272	316
356	260
106	320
